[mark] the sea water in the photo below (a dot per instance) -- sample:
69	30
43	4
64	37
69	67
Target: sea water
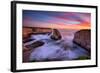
63	49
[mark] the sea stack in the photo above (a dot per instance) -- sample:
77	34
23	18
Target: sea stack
56	35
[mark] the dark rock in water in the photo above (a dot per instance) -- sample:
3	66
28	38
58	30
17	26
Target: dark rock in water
83	38
35	44
56	35
29	48
26	54
27	40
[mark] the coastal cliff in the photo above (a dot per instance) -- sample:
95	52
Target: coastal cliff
83	38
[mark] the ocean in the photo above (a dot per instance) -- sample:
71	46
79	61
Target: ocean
59	50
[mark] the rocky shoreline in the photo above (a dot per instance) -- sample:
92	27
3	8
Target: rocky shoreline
81	38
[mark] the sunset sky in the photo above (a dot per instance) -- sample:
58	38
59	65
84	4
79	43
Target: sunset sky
60	20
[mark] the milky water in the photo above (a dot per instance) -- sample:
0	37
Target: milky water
63	49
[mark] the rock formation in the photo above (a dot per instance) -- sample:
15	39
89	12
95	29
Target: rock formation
29	48
26	33
35	44
56	35
83	38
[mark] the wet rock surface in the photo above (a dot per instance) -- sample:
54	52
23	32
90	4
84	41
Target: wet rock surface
35	44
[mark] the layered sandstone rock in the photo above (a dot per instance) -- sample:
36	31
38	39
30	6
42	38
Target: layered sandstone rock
26	32
83	38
